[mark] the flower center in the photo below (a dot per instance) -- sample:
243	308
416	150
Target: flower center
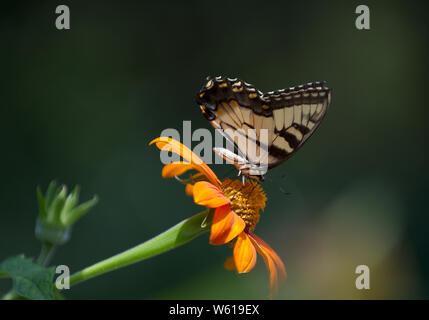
246	200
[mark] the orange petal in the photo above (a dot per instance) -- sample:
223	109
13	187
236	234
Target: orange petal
169	144
226	225
206	194
244	254
272	261
189	190
229	264
176	169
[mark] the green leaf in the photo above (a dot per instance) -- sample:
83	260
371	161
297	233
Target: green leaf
30	280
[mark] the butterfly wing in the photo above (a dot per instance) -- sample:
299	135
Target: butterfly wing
230	105
297	112
289	116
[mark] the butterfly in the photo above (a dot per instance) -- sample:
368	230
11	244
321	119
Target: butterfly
274	125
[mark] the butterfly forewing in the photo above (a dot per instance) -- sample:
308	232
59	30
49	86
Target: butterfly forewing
289	116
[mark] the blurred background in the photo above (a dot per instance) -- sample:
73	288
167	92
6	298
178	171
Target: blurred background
81	105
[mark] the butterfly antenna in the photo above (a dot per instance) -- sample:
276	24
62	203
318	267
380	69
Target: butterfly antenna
268	179
279	185
284	191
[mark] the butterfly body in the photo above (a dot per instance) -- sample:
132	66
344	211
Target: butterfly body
274	125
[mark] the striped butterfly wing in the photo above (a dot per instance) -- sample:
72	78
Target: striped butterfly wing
290	115
296	112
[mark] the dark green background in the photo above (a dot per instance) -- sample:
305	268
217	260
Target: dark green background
80	106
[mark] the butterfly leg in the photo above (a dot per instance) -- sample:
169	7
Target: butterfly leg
243	176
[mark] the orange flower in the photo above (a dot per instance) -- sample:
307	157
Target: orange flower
236	210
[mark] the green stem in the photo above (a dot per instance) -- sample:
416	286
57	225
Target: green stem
46	253
176	236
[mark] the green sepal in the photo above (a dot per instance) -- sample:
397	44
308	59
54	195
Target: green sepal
56	206
72	216
58	211
51	192
42	204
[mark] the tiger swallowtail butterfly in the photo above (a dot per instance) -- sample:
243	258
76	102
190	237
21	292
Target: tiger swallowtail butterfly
289	117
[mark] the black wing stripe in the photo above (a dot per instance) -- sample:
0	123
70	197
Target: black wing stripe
277	153
290	138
